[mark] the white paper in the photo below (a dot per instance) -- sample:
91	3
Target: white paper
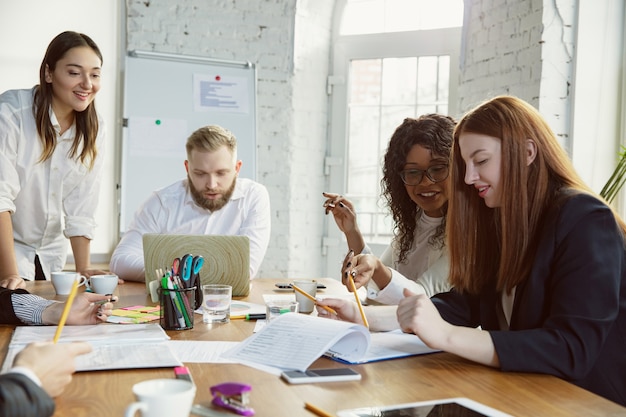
295	341
192	351
391	345
223	93
114	347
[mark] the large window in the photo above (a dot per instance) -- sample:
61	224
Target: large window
393	59
382	93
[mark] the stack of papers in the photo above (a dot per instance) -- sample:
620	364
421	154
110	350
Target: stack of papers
114	347
295	341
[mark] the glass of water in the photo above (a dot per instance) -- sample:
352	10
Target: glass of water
216	300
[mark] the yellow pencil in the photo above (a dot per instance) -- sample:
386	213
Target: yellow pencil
317	411
66	311
310	297
358	301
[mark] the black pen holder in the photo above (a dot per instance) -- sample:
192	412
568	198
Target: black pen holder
177	308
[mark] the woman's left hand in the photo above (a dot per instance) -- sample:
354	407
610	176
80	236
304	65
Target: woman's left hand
85	310
418	315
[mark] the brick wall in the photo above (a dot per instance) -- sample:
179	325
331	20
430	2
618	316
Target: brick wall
523	48
291	99
519	47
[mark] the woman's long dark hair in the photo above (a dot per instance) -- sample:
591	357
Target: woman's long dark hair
433	132
86	121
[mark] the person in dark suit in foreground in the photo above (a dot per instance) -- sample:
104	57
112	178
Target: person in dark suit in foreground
42	370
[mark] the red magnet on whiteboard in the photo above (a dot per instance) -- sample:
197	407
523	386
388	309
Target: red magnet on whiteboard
217	78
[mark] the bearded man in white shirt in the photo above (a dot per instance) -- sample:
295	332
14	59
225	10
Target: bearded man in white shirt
212	200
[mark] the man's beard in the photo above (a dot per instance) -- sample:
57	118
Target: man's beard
207	203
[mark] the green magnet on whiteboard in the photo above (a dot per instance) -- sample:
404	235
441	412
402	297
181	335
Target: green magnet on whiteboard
157	122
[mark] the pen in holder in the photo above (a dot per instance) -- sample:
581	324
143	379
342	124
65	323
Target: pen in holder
177	308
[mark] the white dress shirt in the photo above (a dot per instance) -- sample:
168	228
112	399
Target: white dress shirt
425	270
49	200
172	210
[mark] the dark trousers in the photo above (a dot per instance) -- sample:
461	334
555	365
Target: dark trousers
39	275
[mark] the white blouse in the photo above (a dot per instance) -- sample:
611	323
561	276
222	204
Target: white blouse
425	270
51	200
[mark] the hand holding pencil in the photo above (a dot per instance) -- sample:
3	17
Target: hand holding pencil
87	308
348	279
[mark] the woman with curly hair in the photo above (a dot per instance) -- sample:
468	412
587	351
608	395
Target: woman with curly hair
415	186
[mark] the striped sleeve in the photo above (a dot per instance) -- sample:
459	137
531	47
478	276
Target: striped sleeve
29	307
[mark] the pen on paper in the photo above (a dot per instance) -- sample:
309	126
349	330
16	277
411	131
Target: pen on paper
66	311
310	297
316	410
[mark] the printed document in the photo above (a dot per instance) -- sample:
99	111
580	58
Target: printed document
114	347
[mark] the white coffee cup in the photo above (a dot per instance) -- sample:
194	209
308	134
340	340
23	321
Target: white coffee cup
62	281
103	284
162	398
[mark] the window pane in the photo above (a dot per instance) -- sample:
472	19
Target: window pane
363	154
365	81
444	79
379	16
427	75
382	94
399	81
362	16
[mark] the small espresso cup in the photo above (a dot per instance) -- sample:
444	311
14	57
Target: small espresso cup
62	281
103	284
162	398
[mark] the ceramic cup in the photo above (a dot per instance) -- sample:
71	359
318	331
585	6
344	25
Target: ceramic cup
309	286
162	398
103	284
62	281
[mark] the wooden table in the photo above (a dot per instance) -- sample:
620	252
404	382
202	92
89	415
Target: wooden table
419	378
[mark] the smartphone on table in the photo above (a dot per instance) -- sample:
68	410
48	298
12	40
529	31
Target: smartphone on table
287	286
321	375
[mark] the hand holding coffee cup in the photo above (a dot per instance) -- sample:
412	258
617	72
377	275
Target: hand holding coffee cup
103	284
62	281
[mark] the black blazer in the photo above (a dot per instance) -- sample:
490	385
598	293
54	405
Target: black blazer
569	316
7	315
21	397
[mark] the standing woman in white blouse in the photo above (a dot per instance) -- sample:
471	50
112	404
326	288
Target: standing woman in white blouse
415	186
51	151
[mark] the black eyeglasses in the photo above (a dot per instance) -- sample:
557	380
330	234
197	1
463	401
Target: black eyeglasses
435	173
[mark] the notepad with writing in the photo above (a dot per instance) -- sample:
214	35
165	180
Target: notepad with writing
295	341
114	347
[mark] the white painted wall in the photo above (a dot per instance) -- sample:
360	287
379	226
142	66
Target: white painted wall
26	29
289	40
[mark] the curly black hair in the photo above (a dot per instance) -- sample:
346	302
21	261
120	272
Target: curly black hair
433	132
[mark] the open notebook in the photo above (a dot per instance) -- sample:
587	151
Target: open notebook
226	258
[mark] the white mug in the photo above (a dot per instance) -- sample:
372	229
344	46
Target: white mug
62	281
103	284
309	286
162	398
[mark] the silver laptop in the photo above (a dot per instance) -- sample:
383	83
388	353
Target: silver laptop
226	258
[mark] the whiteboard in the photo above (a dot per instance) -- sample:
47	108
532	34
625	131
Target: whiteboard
166	98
